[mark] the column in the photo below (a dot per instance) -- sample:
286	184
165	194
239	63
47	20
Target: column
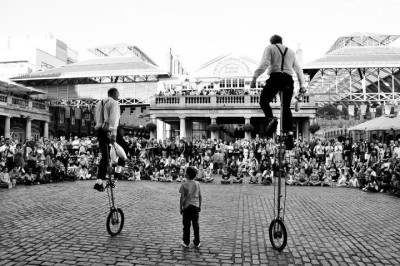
153	134
28	128
306	130
278	127
7	127
247	135
213	134
182	128
46	130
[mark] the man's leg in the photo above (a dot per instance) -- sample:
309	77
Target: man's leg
103	146
267	95
287	119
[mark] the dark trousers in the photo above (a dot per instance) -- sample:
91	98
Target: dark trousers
278	82
104	147
191	215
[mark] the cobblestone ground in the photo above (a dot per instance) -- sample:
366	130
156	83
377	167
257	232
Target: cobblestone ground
64	223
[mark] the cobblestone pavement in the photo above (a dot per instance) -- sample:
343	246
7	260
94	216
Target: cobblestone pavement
64	223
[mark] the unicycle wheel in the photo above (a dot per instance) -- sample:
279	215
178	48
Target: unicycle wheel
115	222
278	234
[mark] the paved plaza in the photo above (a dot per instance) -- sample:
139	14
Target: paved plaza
64	223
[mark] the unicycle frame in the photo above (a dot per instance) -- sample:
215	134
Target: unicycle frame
280	139
109	185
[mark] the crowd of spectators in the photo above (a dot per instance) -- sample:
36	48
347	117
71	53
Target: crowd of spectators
205	91
371	166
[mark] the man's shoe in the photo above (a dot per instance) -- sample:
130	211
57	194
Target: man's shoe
197	246
184	245
289	143
99	187
271	125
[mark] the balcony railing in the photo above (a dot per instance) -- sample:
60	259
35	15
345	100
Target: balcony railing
11	101
218	101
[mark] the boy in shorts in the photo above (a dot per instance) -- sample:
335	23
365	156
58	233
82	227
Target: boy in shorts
190	206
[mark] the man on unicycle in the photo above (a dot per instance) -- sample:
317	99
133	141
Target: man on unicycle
279	62
107	115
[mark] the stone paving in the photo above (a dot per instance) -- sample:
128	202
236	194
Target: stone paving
64	224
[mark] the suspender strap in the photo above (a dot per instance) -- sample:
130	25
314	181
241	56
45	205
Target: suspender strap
283	55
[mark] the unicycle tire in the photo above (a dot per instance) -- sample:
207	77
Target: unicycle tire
278	234
115	222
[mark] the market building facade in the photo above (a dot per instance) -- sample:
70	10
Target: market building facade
219	93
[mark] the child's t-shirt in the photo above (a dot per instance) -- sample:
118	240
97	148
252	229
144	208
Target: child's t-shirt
191	192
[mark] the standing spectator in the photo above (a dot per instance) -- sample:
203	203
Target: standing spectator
190	206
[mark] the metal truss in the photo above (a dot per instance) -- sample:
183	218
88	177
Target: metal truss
349	86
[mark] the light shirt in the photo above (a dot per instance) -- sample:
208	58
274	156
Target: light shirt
8	150
271	62
111	113
191	193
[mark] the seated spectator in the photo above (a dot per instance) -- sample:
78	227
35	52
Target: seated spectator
266	177
181	175
207	175
226	179
353	182
200	174
290	177
156	174
302	178
315	178
372	185
239	177
254	175
327	180
342	181
5	181
83	173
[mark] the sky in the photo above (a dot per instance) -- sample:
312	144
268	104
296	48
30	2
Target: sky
199	31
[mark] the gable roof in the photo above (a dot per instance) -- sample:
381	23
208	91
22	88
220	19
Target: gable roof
98	67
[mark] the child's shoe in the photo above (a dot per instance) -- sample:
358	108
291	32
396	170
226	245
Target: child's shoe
184	245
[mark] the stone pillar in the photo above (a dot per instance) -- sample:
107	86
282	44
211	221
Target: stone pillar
182	128
278	127
247	135
306	130
28	128
7	127
213	134
153	134
46	130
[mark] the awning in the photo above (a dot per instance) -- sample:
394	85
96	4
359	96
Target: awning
380	123
7	86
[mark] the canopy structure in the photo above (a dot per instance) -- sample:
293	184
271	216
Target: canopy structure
380	123
8	86
358	68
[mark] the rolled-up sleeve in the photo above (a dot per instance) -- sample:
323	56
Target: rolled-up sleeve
113	117
265	62
299	71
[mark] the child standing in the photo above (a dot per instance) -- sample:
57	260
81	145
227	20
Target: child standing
190	206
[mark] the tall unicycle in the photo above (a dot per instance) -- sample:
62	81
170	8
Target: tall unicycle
115	219
277	228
